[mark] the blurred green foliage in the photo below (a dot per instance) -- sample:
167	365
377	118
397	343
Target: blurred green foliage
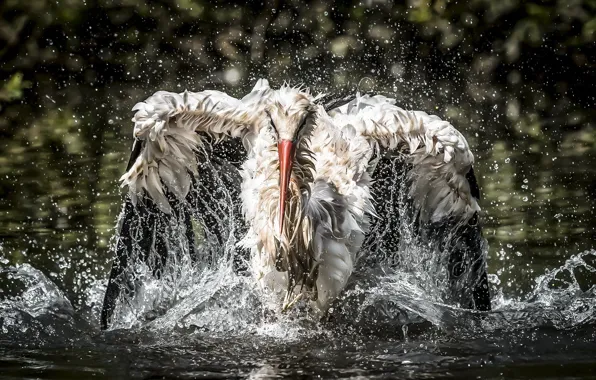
517	77
13	88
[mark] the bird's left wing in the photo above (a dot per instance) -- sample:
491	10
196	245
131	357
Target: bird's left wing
441	193
438	153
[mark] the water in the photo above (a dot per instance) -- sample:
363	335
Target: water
58	221
216	329
65	142
206	319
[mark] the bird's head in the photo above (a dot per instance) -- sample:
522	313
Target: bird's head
291	114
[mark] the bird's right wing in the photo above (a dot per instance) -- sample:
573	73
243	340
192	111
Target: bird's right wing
168	127
176	176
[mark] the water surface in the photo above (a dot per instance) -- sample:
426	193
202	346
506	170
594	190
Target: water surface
65	143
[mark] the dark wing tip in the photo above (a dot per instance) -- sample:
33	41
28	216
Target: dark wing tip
338	102
137	146
474	188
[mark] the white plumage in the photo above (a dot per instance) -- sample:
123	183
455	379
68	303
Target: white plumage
307	177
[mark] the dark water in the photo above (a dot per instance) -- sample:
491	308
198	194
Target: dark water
213	331
60	199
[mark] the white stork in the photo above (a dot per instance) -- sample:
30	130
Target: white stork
306	181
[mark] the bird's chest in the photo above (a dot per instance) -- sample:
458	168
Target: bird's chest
321	236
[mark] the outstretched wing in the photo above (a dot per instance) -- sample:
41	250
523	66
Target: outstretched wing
181	169
169	127
430	163
439	155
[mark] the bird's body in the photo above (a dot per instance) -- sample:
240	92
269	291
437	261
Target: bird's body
306	180
326	218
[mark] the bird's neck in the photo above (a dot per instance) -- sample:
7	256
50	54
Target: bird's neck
290	249
297	196
293	212
294	252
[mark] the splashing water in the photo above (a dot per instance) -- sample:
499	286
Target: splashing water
394	312
218	299
402	282
218	313
561	298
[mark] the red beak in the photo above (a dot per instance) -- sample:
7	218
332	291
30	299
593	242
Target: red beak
285	149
